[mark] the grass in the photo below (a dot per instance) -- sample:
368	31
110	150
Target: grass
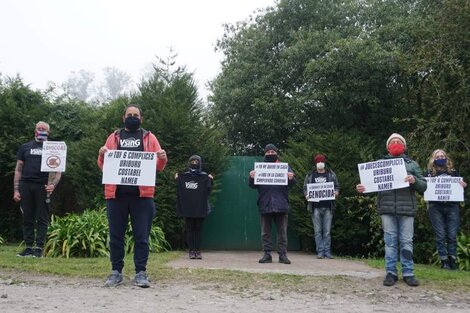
433	275
239	282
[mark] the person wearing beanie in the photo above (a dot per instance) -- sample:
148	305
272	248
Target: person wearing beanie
273	204
397	209
322	211
444	215
193	187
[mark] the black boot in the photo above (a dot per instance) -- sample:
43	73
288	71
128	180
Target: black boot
267	258
453	263
445	264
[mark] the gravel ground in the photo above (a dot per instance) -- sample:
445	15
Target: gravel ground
349	292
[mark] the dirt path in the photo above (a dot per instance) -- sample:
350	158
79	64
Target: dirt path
345	293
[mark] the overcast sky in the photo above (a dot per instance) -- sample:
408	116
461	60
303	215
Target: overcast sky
45	40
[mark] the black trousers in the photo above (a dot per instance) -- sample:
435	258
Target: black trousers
35	213
141	212
194	232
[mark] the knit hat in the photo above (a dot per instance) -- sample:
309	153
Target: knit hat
270	146
395	135
319	158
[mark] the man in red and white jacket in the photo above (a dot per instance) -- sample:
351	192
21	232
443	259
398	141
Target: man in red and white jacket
136	201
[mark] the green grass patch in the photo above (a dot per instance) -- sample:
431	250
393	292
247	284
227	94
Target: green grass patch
435	276
239	282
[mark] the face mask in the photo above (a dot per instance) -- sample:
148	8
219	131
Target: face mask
320	166
396	149
41	135
440	162
270	158
193	167
132	123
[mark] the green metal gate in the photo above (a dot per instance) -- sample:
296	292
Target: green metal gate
234	222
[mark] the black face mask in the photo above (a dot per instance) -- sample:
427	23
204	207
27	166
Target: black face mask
132	123
194	166
270	158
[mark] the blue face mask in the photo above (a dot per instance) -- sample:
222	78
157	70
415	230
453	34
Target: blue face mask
440	162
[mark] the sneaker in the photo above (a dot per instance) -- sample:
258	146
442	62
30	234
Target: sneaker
329	256
27	252
453	265
198	255
411	281
267	258
37	252
320	256
114	279
192	255
283	259
390	280
141	280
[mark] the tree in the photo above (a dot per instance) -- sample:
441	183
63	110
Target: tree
116	83
79	84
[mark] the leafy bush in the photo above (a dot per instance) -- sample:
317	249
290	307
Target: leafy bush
2	241
87	235
463	252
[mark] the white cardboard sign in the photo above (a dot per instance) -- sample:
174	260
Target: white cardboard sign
271	173
134	168
383	175
444	188
54	156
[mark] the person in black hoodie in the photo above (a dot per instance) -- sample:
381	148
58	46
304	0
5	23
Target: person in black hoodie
273	204
193	187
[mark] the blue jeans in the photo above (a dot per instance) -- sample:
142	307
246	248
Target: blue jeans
398	228
445	219
321	219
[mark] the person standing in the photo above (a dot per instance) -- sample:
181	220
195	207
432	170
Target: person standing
32	188
193	187
322	211
137	202
397	209
273	204
444	215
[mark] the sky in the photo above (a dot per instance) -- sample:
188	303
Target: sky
45	40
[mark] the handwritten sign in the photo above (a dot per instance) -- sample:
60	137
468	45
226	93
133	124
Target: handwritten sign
269	173
383	175
444	188
54	156
317	192
134	168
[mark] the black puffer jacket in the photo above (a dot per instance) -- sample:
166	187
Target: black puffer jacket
402	201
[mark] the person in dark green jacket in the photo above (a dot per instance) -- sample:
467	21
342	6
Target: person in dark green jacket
397	209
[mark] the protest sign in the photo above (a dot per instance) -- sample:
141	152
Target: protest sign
444	188
268	173
134	168
317	192
383	175
54	156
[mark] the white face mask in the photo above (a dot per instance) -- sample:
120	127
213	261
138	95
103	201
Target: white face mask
320	165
